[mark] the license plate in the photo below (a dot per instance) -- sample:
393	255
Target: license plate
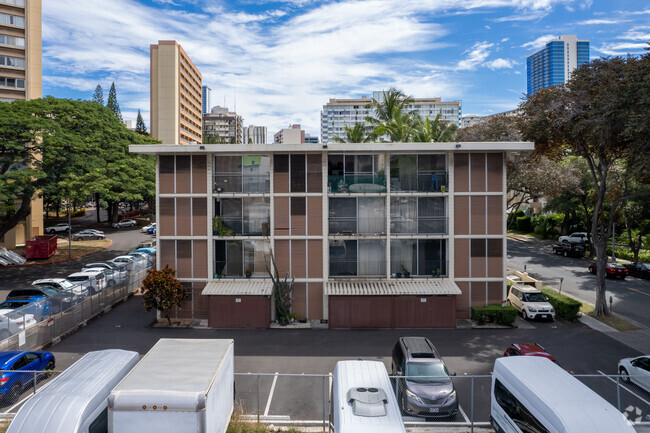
544	316
434	409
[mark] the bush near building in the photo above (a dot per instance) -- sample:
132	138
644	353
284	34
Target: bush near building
495	313
565	307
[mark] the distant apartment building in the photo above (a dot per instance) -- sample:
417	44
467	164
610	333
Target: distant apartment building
21	77
255	134
176	87
340	112
470	120
222	126
291	135
310	139
205	98
376	235
553	64
130	124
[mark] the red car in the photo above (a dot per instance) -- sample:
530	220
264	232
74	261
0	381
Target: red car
528	349
613	269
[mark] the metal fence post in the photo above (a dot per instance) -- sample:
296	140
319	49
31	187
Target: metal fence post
34	381
618	392
471	406
324	403
258	398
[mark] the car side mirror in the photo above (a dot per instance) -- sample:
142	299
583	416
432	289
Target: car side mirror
453	373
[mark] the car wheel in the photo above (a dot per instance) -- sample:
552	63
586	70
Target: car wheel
524	314
14	393
624	375
49	367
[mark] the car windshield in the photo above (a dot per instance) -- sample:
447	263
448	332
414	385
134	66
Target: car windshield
615	265
79	278
534	297
12	304
427	372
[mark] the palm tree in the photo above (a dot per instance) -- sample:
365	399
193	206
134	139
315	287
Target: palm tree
400	128
436	131
394	101
358	133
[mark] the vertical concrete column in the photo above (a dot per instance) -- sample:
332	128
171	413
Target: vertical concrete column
451	190
387	212
325	218
210	212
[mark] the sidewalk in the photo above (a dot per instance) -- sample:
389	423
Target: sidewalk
637	339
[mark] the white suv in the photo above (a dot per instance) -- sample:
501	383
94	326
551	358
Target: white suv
574	237
530	302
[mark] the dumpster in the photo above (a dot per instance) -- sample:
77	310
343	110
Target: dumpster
41	247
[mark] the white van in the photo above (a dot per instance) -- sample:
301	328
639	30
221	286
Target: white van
93	280
532	394
76	401
363	400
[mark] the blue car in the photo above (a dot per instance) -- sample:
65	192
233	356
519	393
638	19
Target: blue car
39	306
151	230
18	371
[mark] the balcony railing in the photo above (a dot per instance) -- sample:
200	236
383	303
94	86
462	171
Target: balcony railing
430	182
420	225
356	183
234	183
241	227
352	226
421	269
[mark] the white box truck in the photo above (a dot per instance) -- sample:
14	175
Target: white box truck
180	386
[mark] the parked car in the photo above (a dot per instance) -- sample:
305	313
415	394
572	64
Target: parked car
636	370
574	237
58	300
146	258
111	276
63	286
87	235
132	264
529	349
613	269
146	228
124	223
424	386
13	321
568	248
120	270
13	382
58	228
147	244
530	302
151	230
37	305
93	280
638	269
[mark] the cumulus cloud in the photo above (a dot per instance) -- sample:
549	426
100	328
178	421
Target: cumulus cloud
475	56
599	22
500	64
539	42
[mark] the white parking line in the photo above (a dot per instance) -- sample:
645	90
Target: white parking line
268	402
462	412
20	402
625	388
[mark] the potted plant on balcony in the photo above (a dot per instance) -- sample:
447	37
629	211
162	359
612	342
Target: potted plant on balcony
219	228
405	271
248	272
436	273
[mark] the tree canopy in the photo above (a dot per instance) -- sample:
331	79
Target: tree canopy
162	291
98	96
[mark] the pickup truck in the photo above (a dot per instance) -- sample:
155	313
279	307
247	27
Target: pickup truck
59	228
568	248
574	237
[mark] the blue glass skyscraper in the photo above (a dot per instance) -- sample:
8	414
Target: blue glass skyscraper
553	64
205	98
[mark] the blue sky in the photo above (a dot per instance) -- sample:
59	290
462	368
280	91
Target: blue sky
282	60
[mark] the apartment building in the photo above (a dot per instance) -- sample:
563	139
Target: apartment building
379	235
291	135
222	126
21	77
176	103
340	112
554	63
255	134
205	98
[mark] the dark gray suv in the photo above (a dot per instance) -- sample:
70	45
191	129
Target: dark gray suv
424	386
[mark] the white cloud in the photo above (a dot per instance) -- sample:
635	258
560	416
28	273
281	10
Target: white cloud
539	42
475	56
500	64
638	33
599	22
621	49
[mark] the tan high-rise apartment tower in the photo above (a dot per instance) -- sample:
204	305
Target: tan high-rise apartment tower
175	95
21	72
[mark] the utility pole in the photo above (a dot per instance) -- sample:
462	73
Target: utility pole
69	228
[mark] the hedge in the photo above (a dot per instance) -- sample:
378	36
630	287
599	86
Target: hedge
565	307
494	313
644	255
79	213
524	224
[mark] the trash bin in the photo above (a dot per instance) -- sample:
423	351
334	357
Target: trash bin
41	247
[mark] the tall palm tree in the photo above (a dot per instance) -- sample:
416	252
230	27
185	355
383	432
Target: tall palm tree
394	101
358	133
436	131
399	128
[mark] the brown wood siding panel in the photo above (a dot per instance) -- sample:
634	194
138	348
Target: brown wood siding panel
435	312
282	257
166	224
299	258
184	216
184	311
478	266
478	215
495	292
462	300
199	216
371	312
495	258
200	258
166	174
184	259
299	295
314	173
314	216
281	213
477	163
249	312
199	174
461	215
495	215
461	172
315	301
183	174
495	172
315	259
461	258
339	312
201	302
479	294
167	253
298	216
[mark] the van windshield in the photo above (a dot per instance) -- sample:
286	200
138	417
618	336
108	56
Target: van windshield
534	297
80	279
427	372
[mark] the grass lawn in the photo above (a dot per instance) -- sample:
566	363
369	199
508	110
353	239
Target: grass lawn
614	321
78	249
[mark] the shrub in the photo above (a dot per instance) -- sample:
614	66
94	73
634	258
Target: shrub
644	256
79	212
565	307
512	218
524	224
546	225
495	313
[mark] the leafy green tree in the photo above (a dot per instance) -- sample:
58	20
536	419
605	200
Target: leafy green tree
140	127
162	291
112	103
98	96
437	131
358	133
495	128
394	103
595	115
399	128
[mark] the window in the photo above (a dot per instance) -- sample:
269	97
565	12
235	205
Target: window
12	20
247	216
419	257
234	257
362	215
353	173
247	174
364	258
424	173
409	215
100	424
16	62
31	357
298	183
12	82
14	2
519	413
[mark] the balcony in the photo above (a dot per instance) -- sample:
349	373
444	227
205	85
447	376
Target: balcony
356	183
236	183
346	226
422	182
